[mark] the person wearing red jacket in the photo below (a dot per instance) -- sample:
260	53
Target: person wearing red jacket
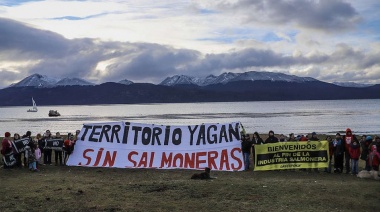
348	139
355	154
6	147
374	155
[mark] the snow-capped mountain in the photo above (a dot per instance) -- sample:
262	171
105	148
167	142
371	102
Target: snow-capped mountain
125	82
351	84
225	78
231	77
37	80
272	76
43	81
181	80
72	81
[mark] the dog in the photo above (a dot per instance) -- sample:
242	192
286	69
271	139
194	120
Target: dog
369	174
202	176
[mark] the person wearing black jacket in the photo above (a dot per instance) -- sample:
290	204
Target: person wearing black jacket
47	152
338	153
256	140
271	138
246	145
28	134
365	142
58	153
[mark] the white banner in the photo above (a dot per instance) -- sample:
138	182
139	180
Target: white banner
132	145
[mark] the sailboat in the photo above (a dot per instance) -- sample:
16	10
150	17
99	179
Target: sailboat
34	109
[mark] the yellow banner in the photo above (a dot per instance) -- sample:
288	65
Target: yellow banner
291	155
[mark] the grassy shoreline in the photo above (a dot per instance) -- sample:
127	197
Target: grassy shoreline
63	188
57	188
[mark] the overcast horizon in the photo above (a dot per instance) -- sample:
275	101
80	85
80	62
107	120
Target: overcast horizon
146	41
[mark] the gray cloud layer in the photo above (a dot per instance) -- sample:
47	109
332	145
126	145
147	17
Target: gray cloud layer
326	15
61	57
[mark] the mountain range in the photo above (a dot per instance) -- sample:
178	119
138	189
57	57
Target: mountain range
227	87
43	81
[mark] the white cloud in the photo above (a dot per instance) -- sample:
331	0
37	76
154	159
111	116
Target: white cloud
331	40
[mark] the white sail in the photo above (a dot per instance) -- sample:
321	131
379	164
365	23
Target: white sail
34	104
34	109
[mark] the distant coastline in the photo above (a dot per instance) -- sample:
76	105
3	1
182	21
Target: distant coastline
142	93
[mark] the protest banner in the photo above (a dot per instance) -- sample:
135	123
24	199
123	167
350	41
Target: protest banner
133	145
20	144
54	143
9	159
291	155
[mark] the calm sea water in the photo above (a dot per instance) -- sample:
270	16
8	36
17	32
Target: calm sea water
362	116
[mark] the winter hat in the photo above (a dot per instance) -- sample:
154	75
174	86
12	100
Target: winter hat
368	138
313	133
28	133
7	134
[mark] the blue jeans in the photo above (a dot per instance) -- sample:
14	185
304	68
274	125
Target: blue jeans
354	166
33	165
246	160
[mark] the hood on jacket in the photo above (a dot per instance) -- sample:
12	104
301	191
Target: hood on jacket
348	131
270	133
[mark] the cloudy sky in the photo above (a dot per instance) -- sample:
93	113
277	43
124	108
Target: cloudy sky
148	40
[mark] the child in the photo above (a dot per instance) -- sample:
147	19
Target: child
37	153
31	157
354	154
39	144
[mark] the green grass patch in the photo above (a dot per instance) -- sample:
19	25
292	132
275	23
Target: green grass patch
57	188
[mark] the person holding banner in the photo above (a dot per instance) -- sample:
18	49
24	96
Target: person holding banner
47	152
292	137
246	145
256	140
28	135
18	157
282	138
68	147
57	152
6	145
271	138
314	137
76	135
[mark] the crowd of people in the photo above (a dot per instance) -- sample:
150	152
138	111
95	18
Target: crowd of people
35	154
344	151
